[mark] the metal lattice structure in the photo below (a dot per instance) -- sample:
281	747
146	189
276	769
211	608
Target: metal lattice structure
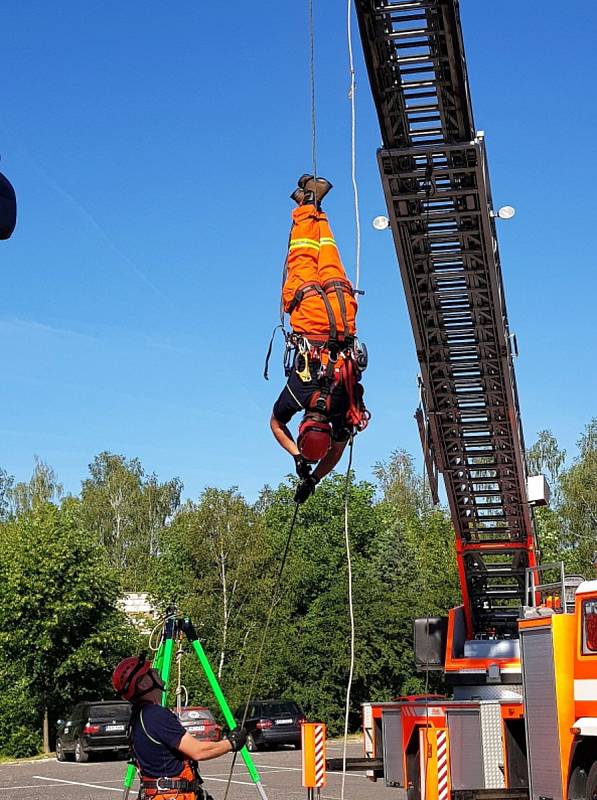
435	178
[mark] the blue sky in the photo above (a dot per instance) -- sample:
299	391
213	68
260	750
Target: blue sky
153	148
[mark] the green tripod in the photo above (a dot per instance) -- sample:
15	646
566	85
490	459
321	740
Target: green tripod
174	628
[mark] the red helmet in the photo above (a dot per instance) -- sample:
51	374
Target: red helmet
128	673
315	436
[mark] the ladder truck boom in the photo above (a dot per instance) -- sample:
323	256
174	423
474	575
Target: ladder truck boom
434	172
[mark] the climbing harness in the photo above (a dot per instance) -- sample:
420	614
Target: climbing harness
338	287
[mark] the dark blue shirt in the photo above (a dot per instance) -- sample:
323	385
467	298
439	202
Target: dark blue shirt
156	736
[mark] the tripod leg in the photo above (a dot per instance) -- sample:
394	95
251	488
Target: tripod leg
222	702
163	659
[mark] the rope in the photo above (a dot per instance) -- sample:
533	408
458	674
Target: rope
275	598
159	626
351	611
353	143
180	687
313	114
429	190
355	190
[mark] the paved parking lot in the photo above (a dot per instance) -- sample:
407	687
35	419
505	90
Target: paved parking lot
100	780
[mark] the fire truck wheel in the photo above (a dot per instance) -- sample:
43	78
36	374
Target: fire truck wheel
592	783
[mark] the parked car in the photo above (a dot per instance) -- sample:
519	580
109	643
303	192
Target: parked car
270	723
200	723
93	727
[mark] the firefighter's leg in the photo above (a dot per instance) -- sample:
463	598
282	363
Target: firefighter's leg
330	264
330	268
309	315
303	252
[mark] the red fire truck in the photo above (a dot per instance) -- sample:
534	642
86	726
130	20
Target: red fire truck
520	653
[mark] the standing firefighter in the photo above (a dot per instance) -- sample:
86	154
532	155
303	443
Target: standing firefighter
327	361
165	755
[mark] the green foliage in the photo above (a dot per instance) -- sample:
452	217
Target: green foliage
211	561
567	530
126	510
41	488
64	567
305	655
579	504
6	484
61	631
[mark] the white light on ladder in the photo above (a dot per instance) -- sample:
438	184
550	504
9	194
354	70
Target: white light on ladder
381	223
505	212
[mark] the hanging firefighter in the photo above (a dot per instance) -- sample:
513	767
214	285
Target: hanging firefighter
164	753
324	359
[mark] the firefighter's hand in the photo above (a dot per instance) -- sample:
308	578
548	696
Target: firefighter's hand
303	468
305	489
237	739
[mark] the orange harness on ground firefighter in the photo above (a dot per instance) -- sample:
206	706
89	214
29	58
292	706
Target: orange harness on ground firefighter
320	300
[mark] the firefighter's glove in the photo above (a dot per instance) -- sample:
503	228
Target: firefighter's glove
237	738
305	489
303	468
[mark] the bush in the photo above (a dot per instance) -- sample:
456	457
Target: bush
22	743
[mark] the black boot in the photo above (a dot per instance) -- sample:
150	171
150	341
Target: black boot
315	189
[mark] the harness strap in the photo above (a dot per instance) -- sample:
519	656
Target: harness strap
308	290
182	784
340	286
269	350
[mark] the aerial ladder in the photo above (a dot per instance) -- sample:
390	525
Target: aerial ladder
520	653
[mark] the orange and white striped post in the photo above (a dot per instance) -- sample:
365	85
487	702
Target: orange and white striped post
443	790
313	736
434	763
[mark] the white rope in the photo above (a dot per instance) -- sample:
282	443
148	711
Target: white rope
159	626
353	142
355	189
351	611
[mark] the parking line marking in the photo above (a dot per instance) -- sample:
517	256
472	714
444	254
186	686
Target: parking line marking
79	783
279	768
30	786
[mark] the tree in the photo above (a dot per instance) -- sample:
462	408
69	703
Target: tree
126	510
579	504
567	530
41	488
61	631
415	557
212	558
6	484
545	457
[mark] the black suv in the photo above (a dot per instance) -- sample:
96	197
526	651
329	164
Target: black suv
272	722
93	727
